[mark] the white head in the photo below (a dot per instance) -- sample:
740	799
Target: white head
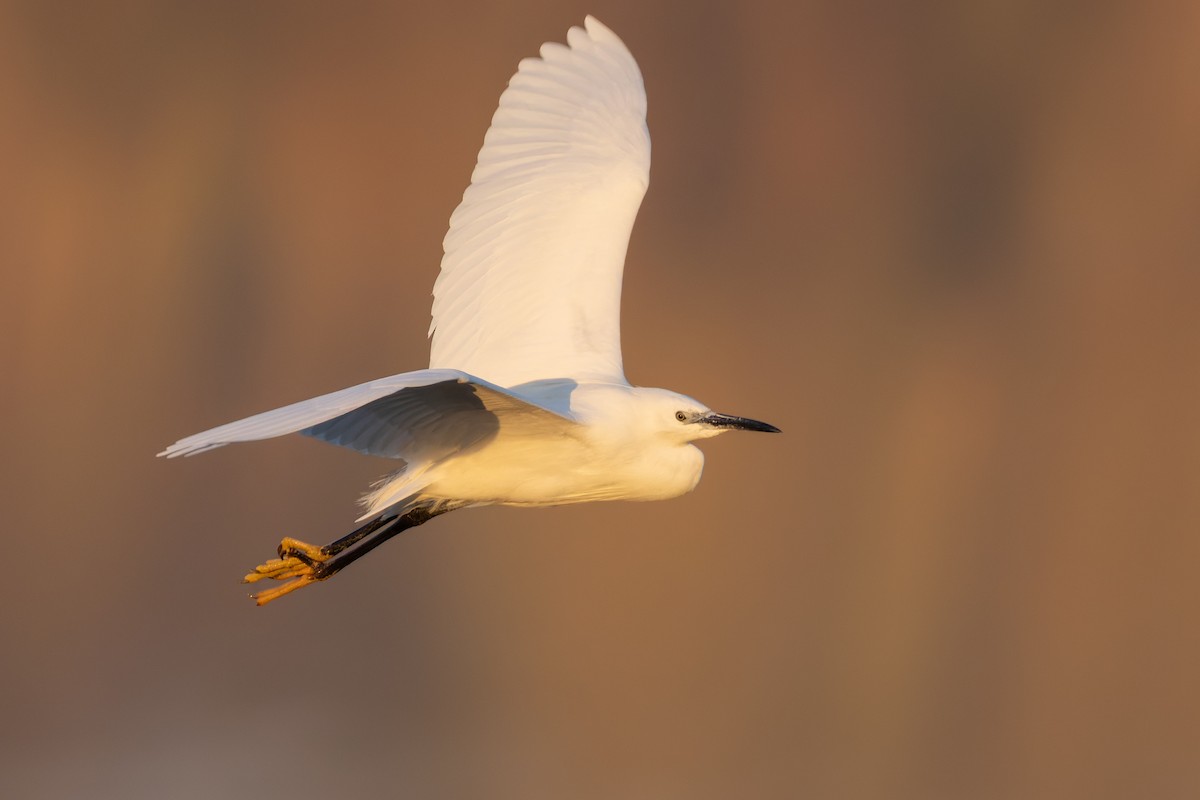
684	419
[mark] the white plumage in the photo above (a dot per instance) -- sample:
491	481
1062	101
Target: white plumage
525	401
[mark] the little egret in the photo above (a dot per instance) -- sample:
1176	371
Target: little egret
525	401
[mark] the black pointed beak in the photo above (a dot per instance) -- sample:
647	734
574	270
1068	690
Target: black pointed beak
739	423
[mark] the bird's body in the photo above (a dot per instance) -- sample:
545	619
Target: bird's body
602	456
525	402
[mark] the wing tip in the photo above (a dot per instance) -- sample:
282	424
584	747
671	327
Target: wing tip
598	32
171	451
181	448
597	29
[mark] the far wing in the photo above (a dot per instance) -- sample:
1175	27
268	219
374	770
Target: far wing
530	286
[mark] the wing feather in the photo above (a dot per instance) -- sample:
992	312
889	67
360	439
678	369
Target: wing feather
307	413
530	286
426	414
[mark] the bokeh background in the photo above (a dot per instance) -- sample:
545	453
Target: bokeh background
953	250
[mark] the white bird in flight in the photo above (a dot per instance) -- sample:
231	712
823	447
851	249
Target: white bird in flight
525	402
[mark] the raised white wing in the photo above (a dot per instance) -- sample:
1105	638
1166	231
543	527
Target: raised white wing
427	414
530	286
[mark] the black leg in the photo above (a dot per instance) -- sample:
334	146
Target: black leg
380	533
300	564
335	547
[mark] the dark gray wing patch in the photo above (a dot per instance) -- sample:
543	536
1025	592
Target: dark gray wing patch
446	416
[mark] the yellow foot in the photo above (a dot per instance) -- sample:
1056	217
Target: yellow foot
295	565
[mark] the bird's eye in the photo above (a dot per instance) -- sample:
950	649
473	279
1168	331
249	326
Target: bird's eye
682	417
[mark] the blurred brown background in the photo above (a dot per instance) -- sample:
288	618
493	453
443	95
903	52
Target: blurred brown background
953	250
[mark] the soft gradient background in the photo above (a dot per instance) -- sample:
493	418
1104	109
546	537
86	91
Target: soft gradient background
953	250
